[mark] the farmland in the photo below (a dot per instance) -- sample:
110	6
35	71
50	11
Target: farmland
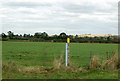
43	54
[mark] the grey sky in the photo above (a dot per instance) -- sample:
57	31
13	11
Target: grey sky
56	16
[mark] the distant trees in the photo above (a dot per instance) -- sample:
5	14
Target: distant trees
4	35
41	35
10	34
63	35
25	35
44	37
37	35
44	34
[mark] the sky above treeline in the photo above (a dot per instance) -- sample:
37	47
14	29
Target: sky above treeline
55	16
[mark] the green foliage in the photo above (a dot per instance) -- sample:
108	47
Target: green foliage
10	34
63	35
44	37
41	35
4	35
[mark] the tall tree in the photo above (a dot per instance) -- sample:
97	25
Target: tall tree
63	35
37	35
44	34
4	35
10	34
40	35
25	35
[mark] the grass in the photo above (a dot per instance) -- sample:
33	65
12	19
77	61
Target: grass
79	75
13	71
42	54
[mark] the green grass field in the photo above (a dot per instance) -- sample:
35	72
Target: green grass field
43	54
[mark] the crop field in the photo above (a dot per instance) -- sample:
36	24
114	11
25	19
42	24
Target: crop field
43	54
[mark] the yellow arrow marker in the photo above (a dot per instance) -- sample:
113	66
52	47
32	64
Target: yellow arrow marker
68	40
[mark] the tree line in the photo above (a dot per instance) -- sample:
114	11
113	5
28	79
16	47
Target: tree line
44	37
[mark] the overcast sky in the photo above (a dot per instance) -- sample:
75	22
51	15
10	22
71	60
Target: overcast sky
56	16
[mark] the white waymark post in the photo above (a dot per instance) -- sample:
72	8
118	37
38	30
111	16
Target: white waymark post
67	52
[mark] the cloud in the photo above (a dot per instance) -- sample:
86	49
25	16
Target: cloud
73	16
26	4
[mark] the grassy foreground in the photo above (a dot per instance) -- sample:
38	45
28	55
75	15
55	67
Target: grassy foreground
36	60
